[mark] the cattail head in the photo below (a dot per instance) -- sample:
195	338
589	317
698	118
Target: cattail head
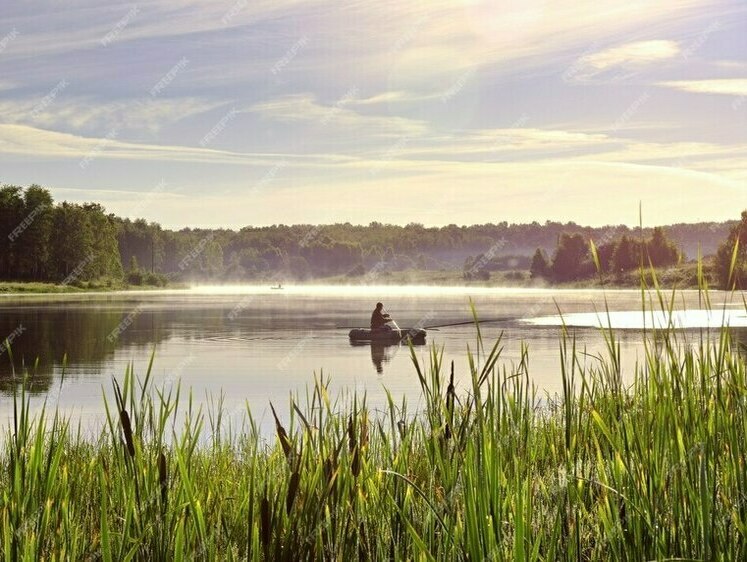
163	479
282	436
364	430
402	428
124	418
290	497
352	439
265	521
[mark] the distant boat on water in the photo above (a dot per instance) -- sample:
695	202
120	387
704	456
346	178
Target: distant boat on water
278	286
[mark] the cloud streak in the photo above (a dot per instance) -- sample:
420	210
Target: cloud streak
724	87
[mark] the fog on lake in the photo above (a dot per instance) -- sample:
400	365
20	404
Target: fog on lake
256	344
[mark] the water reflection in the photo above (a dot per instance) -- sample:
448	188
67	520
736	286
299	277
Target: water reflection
44	340
739	337
259	347
382	354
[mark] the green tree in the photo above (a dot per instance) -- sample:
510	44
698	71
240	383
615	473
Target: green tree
660	250
34	241
540	267
72	243
733	277
11	216
570	257
624	257
104	247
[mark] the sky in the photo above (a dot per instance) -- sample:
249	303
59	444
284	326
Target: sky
232	113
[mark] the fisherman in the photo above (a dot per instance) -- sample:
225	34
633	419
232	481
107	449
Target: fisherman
379	318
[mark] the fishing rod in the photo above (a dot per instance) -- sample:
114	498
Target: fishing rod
468	322
437	326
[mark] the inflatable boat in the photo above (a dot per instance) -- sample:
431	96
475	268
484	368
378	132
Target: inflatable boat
394	335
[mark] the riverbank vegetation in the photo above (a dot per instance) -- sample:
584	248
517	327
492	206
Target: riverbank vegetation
618	261
77	245
639	464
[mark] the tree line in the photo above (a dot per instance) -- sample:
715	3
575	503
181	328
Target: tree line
575	259
731	257
66	242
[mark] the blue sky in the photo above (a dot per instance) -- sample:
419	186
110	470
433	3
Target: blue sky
243	112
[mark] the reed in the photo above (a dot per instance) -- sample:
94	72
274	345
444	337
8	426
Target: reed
642	465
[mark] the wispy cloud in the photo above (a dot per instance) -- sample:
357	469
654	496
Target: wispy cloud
305	108
22	140
724	86
633	54
79	114
623	61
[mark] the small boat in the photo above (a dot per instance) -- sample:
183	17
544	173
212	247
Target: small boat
395	335
277	287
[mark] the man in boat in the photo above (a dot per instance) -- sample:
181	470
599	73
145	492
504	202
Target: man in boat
379	318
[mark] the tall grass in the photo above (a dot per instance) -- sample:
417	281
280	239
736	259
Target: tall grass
653	469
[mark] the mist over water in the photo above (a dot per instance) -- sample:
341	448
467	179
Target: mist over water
255	344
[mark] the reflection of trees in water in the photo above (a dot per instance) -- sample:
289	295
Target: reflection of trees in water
739	337
48	335
662	337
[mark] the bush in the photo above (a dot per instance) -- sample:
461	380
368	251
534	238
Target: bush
155	279
135	277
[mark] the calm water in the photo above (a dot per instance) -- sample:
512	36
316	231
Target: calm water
257	345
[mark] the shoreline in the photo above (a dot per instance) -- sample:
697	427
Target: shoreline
680	278
21	288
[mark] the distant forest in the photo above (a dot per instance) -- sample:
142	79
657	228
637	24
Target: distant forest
72	243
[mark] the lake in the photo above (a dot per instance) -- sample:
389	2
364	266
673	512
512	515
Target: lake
256	344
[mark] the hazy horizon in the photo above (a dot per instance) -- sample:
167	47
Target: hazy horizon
236	113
